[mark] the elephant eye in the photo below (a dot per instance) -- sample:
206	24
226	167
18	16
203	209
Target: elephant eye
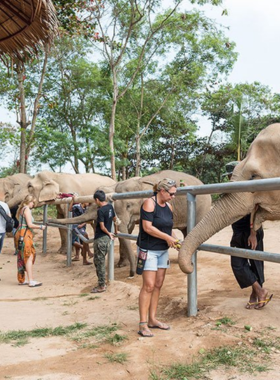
254	176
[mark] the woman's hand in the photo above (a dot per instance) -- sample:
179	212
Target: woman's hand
171	241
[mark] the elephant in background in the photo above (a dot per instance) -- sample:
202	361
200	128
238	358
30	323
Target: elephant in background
128	210
11	185
261	162
45	186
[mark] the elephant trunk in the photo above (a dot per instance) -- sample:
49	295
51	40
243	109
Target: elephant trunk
77	220
88	216
18	198
227	210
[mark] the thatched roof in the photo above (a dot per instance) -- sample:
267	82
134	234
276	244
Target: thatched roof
25	25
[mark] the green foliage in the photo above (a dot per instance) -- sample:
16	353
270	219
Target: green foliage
38	212
162	67
77	17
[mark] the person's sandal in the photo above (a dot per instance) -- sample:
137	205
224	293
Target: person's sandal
145	333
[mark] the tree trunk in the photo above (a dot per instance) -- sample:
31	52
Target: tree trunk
138	157
22	119
37	99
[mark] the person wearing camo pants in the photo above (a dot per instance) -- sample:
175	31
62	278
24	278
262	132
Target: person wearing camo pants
103	236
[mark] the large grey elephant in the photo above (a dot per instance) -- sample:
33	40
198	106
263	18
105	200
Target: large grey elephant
262	162
11	185
128	210
45	186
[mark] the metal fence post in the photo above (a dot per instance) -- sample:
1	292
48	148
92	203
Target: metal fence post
111	258
69	238
192	278
45	220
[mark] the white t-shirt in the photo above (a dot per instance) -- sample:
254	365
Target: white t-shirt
2	220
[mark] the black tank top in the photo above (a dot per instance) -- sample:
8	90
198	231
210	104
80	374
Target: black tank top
162	219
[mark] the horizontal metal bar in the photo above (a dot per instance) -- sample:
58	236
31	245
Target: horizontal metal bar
247	253
229	187
215	188
233	187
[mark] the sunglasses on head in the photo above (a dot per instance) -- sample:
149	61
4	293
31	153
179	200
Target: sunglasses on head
171	182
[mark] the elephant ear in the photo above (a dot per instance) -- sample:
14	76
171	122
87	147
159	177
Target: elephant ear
9	188
49	191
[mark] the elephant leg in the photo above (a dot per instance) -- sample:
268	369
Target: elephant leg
128	253
123	256
63	238
62	232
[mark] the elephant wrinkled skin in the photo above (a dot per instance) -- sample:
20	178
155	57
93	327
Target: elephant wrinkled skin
45	186
128	210
261	162
11	185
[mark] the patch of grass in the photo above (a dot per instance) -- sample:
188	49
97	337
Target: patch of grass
88	346
182	372
39	299
83	294
70	303
226	321
116	339
132	307
101	332
21	336
267	344
271	328
222	323
244	358
93	298
84	336
116	358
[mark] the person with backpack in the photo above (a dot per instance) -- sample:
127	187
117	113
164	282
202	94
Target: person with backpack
3	222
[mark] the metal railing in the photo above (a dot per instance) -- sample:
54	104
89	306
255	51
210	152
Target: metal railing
191	192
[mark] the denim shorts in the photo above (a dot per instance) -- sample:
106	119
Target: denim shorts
156	260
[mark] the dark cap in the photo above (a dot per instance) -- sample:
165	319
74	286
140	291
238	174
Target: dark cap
230	167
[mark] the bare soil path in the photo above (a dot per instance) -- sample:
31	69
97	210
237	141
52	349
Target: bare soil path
65	300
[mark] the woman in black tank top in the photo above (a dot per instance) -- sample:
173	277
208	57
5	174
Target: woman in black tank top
155	236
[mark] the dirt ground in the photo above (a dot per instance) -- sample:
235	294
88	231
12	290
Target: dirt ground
65	299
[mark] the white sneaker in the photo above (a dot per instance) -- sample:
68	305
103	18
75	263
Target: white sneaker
24	283
32	284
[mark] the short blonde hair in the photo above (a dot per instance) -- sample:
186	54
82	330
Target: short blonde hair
165	183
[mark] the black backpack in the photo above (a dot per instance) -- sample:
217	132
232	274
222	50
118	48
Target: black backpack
9	221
